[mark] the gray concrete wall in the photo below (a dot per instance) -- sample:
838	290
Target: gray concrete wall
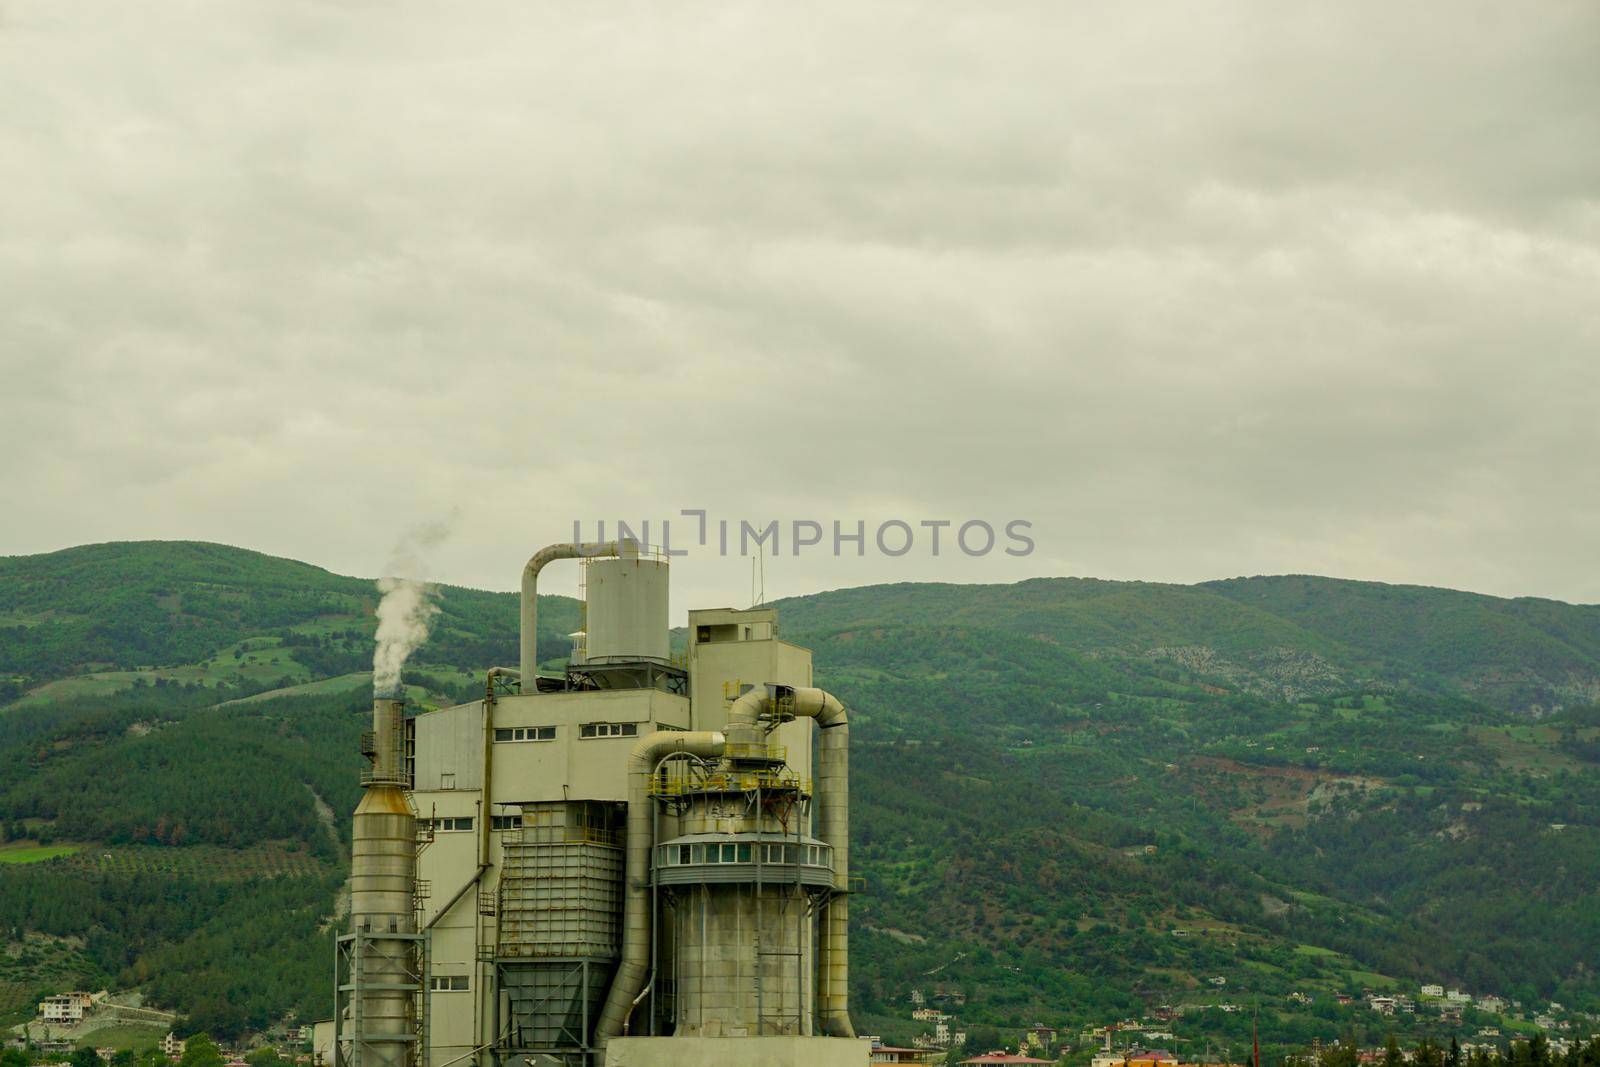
738	1052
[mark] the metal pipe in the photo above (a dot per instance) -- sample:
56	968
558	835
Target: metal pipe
833	795
486	779
459	893
498	672
528	640
485	837
646	991
647	754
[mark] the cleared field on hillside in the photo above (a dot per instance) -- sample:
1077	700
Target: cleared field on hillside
203	862
135	1036
25	853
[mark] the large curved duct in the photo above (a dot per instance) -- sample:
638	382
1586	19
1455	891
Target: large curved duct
528	640
833	794
647	754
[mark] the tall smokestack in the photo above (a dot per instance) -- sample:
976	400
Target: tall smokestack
380	963
379	1020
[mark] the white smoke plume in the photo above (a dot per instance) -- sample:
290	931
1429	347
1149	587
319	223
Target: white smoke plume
405	614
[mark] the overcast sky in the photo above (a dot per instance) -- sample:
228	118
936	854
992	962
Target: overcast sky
1197	289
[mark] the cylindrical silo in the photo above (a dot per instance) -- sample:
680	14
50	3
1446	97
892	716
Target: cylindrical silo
626	608
743	884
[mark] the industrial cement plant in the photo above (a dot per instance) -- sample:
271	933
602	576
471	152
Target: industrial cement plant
642	862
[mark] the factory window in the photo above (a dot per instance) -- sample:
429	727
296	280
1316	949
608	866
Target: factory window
449	825
609	729
683	853
729	853
448	983
697	854
525	733
744	853
505	822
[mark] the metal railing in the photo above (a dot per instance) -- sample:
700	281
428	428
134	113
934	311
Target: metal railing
767	753
729	782
370	774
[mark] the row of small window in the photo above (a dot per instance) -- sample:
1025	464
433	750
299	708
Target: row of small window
731	852
525	733
450	824
548	733
609	729
449	983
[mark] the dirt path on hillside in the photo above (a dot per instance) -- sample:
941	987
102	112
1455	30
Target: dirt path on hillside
341	902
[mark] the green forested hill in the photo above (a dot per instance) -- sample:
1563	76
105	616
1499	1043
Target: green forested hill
1281	635
107	616
1074	799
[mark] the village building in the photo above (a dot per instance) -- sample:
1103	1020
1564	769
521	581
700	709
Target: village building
66	1009
1134	1057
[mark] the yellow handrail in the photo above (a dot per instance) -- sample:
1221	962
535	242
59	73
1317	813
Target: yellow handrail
729	782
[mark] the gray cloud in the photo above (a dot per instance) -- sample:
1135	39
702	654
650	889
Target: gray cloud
1201	291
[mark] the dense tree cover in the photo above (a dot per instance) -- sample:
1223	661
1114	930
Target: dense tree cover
199	1050
232	954
1509	652
1535	1052
232	776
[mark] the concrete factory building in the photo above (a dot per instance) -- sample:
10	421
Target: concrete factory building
642	862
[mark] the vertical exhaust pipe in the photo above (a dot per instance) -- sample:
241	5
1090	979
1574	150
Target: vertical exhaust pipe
383	860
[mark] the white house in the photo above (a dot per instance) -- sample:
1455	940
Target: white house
65	1008
1433	990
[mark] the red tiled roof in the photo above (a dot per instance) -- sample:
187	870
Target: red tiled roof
1004	1057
